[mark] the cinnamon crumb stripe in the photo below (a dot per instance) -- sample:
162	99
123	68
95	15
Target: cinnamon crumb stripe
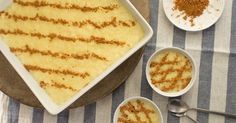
57	85
55	71
173	85
61	55
155	64
170	70
113	22
52	36
39	4
154	81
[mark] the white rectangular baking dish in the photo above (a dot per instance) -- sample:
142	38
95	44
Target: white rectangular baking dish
42	96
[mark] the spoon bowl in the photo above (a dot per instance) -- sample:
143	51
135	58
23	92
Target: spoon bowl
177	106
4	4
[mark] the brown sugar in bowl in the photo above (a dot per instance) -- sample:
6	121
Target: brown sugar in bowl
171	72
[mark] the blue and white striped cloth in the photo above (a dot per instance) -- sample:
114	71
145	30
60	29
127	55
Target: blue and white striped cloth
214	50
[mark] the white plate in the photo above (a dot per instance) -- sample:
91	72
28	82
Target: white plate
194	72
210	16
115	118
43	97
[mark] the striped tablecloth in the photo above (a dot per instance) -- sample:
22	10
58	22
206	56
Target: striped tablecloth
214	50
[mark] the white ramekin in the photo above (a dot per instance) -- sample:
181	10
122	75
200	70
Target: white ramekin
115	118
181	92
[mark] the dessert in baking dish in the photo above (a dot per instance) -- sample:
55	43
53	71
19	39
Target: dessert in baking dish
170	71
67	44
138	111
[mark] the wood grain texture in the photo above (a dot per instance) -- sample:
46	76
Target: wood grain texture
12	85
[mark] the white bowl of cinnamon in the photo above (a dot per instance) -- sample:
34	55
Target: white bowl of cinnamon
193	15
171	72
136	110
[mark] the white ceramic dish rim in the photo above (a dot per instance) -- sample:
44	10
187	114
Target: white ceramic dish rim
42	96
191	83
193	30
134	98
4	4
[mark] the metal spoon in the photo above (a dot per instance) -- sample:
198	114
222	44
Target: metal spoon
4	4
179	107
184	115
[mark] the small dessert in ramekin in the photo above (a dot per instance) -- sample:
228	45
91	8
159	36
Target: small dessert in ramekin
137	110
171	72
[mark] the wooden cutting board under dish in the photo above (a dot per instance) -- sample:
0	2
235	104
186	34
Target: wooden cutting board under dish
12	85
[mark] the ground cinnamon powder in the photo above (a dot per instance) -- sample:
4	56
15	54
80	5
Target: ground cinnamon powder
191	8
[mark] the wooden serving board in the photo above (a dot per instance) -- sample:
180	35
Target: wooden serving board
12	85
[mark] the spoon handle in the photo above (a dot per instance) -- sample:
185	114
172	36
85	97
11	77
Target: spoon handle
191	119
215	112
